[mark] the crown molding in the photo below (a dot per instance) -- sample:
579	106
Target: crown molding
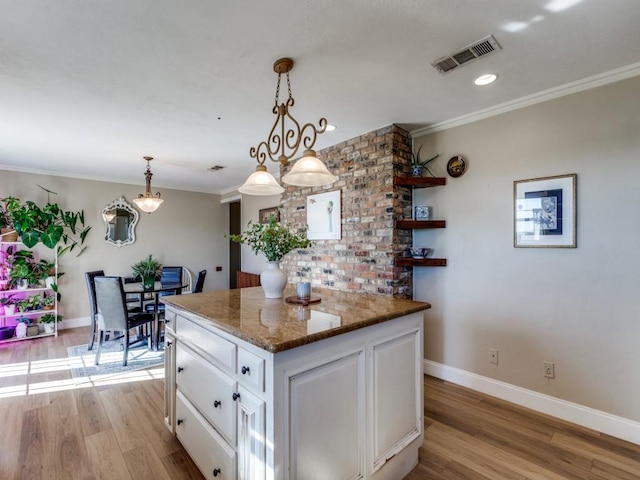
556	92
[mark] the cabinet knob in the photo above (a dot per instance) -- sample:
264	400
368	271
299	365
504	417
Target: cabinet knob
179	421
245	370
217	403
180	369
216	472
236	396
167	320
169	344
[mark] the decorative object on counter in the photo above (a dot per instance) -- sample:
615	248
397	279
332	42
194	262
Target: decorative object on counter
303	289
120	220
324	211
418	165
302	301
544	212
274	241
419	252
48	224
285	138
148	202
421	212
147	270
456	166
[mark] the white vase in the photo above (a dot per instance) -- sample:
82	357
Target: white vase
21	330
273	280
9	309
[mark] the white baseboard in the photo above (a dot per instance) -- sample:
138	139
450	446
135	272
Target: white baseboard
74	323
600	421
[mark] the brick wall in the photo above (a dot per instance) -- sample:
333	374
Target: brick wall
362	260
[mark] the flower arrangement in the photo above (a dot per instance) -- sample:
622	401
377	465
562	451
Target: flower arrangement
271	239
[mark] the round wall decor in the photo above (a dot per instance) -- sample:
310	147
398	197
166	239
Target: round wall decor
456	166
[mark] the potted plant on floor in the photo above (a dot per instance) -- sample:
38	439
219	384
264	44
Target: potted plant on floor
274	241
147	270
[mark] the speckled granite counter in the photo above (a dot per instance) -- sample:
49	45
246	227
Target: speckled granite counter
274	325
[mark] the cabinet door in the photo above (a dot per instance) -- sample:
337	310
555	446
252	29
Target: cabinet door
326	420
251	436
397	405
169	381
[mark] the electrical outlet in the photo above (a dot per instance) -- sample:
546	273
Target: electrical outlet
549	369
493	356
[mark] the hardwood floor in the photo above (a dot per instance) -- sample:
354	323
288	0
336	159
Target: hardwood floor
57	428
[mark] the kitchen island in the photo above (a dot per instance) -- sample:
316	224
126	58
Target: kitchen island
259	388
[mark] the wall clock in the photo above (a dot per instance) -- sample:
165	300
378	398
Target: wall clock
456	166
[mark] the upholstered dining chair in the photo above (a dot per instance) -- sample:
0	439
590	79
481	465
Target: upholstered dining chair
93	306
113	315
169	276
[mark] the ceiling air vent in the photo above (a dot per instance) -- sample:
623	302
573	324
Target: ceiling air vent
471	52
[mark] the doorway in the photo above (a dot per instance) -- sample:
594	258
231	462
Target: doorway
235	258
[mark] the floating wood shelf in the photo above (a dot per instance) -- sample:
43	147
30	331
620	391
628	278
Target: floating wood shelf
420	262
421	224
419	181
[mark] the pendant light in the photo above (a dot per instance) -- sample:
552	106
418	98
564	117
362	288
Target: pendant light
148	202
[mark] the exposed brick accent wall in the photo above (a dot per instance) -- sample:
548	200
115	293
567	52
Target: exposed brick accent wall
363	259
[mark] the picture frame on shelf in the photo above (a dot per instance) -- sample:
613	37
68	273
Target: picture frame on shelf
545	212
265	213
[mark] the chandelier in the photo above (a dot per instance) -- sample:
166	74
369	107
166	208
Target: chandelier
284	140
148	202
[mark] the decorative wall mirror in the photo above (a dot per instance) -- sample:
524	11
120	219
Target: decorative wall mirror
120	221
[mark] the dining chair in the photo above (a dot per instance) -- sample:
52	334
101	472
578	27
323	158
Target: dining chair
113	315
169	275
199	285
91	288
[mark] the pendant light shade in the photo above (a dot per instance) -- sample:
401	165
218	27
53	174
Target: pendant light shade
148	202
285	138
261	182
309	171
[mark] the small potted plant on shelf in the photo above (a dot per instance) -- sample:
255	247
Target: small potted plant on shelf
9	304
147	270
418	165
48	320
7	232
48	302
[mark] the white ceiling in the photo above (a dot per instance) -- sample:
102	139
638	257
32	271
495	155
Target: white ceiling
88	87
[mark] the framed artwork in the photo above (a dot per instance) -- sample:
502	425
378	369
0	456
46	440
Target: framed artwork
264	214
544	212
323	216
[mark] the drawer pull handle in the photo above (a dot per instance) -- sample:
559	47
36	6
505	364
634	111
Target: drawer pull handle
217	403
169	344
245	370
180	369
179	421
236	396
216	472
167	320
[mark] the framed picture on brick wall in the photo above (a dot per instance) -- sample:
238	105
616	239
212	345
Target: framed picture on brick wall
324	216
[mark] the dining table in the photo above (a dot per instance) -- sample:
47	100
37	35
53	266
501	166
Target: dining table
137	288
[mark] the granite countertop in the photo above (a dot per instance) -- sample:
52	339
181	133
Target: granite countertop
274	325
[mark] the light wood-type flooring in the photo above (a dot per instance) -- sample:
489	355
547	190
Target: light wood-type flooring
56	428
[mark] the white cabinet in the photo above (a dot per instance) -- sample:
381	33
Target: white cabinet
345	407
169	380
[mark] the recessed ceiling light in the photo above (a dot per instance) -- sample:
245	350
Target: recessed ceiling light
330	128
485	79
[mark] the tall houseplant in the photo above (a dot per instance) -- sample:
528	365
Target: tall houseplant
48	224
274	241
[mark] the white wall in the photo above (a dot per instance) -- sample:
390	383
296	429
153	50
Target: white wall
251	205
580	307
188	229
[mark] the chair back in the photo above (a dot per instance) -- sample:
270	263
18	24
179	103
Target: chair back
198	286
112	304
171	275
91	288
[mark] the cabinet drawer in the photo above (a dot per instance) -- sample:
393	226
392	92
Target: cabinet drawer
170	320
207	343
209	389
250	370
207	449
